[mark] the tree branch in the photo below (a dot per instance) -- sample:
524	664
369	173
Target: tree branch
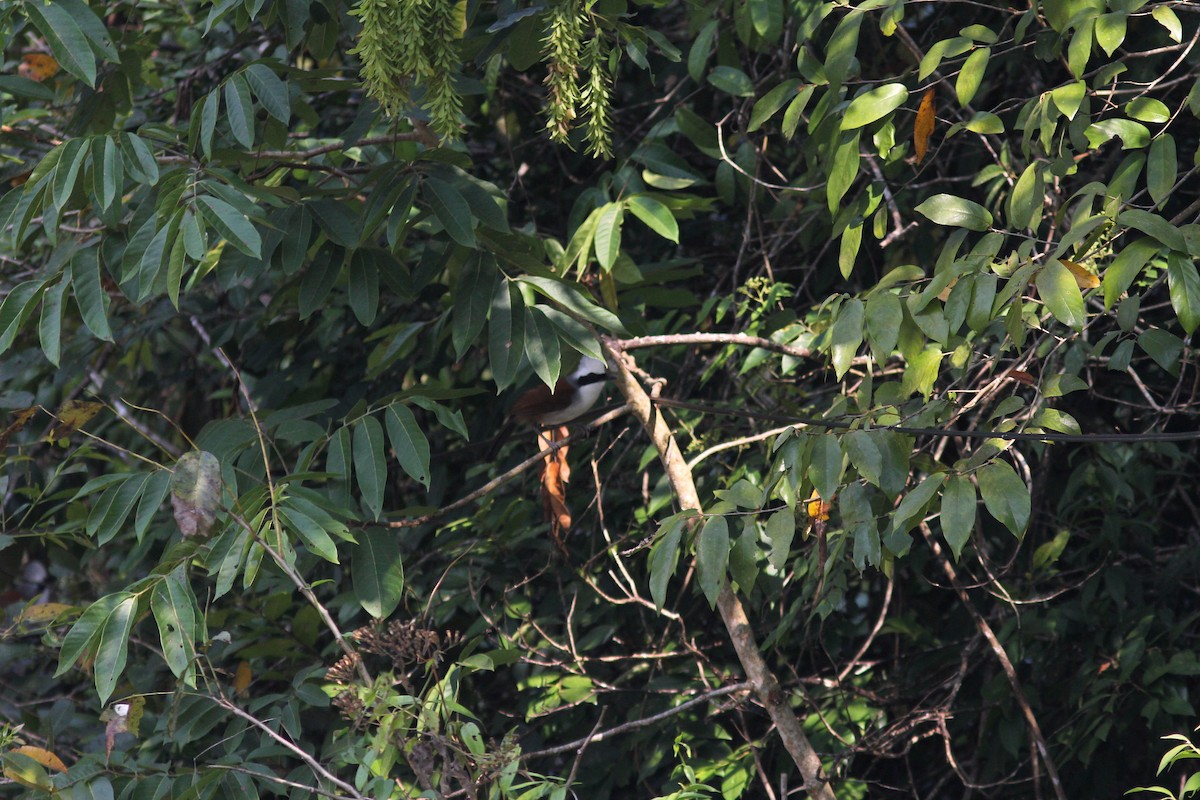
741	635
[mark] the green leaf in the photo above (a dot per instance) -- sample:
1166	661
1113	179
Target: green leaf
1126	266
884	316
874	105
89	293
1148	109
377	572
207	113
843	170
364	288
1059	291
769	104
1154	225
59	24
506	339
608	234
922	371
239	111
847	335
234	226
541	346
576	302
112	646
116	504
1185	290
1162	168
1166	16
712	556
866	454
795	109
139	159
743	558
1025	202
955	212
912	507
958	512
173	606
1079	50
655	214
1163	347
473	297
408	442
1005	495
1110	30
369	465
318	280
731	80
840	51
17	307
698	56
1133	135
825	466
316	539
1068	97
82	636
664	556
66	172
50	324
271	92
780	530
971	75
452	210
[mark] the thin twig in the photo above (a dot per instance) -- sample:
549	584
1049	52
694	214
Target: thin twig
551	447
634	725
287	744
1035	730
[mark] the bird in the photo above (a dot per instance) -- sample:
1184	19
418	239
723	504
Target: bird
573	395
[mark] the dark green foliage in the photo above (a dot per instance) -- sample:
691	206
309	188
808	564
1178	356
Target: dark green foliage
246	295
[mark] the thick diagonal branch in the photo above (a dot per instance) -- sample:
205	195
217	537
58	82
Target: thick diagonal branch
741	635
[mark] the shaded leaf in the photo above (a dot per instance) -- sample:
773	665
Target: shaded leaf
377	572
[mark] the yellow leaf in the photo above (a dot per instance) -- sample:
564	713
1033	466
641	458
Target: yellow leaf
43	757
817	508
1084	278
923	127
72	416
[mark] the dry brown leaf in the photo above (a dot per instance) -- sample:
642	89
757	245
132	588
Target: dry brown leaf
1084	278
555	474
19	418
72	416
923	127
1021	376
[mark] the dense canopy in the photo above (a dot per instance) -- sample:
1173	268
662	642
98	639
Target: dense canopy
892	492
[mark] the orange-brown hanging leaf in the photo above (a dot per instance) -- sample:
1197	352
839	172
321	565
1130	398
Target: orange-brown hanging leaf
555	474
242	678
37	66
19	418
43	757
1084	278
1021	376
70	417
923	127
